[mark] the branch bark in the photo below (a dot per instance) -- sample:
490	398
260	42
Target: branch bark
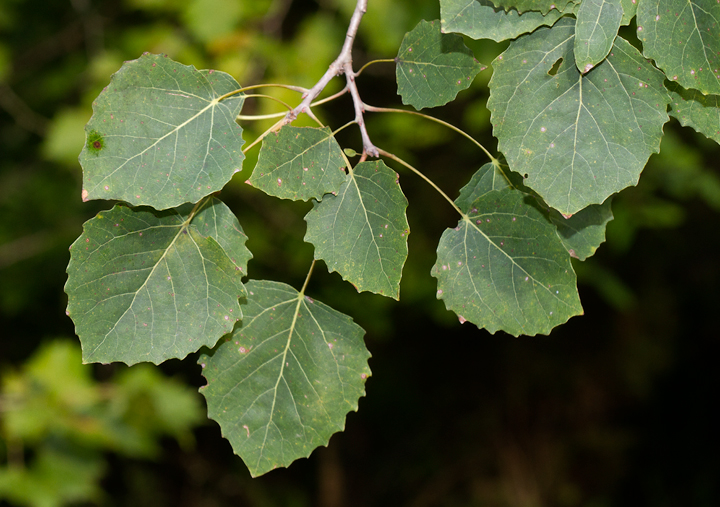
342	65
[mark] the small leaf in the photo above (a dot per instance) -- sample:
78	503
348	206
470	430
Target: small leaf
285	380
629	10
583	232
479	19
578	138
299	164
433	67
143	285
683	37
693	109
160	137
597	26
504	267
362	232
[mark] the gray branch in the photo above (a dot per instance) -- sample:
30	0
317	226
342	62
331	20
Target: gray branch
342	65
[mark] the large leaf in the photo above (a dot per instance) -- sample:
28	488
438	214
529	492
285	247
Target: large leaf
597	26
578	138
480	19
504	267
143	285
432	67
693	109
683	37
285	380
362	232
159	136
299	164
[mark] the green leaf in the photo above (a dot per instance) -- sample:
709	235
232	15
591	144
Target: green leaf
299	164
683	37
578	138
362	231
160	137
693	109
143	285
583	232
629	10
597	26
479	19
285	380
432	67
543	6
504	267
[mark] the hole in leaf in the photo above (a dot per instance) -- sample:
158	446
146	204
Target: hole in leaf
554	69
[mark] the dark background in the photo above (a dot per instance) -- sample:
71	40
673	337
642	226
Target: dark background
612	409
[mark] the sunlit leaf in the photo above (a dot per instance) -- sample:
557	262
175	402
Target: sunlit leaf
432	67
683	37
504	267
480	19
284	381
578	138
143	285
362	231
693	109
159	136
299	164
597	26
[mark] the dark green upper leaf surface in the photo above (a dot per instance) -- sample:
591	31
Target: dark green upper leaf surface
299	164
693	109
578	138
480	19
543	6
144	286
629	11
597	26
159	136
432	67
683	37
504	267
285	380
362	231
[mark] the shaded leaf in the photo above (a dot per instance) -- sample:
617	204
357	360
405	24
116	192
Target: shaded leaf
362	231
143	285
285	380
597	26
480	19
683	37
432	67
299	164
578	138
160	137
543	6
504	267
583	232
693	109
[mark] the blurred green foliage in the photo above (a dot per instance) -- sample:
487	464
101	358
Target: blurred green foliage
612	409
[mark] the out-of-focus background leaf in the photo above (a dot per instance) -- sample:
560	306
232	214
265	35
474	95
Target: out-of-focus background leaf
614	408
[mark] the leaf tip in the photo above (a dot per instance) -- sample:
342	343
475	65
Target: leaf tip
85	195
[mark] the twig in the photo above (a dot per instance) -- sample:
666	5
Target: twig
342	65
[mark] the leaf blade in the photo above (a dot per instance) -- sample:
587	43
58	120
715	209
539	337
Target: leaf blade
144	286
362	232
285	380
433	67
582	137
693	109
597	26
160	137
299	163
